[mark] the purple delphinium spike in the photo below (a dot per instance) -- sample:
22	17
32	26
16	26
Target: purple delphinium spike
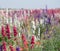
1	48
49	21
38	17
17	48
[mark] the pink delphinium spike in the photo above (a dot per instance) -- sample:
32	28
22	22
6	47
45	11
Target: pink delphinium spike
3	31
8	31
11	48
4	46
24	41
32	41
15	31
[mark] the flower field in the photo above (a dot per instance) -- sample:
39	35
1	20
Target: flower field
29	30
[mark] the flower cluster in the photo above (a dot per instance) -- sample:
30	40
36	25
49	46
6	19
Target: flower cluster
32	41
8	31
25	42
1	48
17	48
3	31
15	31
4	46
11	48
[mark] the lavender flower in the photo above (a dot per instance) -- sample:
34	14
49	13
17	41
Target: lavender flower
17	49
49	21
1	48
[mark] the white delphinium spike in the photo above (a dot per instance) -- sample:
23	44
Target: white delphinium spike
33	26
7	21
19	35
10	21
41	21
15	20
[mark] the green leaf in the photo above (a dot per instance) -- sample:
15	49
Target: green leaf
6	39
0	39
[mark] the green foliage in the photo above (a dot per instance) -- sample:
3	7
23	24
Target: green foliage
6	39
57	39
0	39
42	29
47	46
53	44
36	31
11	41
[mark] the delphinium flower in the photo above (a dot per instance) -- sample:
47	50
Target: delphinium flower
24	41
17	48
38	16
8	31
49	20
48	23
15	31
32	42
1	48
4	46
3	31
11	48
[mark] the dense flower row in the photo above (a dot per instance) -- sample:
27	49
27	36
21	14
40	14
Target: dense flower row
27	32
5	31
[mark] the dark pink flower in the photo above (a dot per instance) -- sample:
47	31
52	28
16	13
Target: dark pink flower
32	46
23	36
32	42
11	48
15	31
4	46
25	42
3	31
8	31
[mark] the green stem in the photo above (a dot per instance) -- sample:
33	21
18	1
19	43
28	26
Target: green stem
52	44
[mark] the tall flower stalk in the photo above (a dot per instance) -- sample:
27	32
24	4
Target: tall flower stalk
15	31
25	42
3	31
32	42
4	46
8	31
